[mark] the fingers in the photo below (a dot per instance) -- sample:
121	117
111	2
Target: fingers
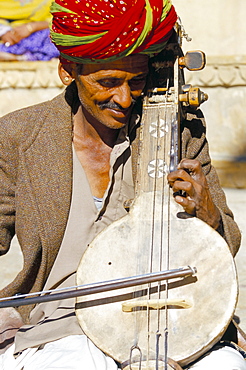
190	171
187	183
183	190
15	35
192	165
10	37
187	203
192	192
176	178
182	183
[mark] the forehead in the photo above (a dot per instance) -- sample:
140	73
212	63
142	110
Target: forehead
134	64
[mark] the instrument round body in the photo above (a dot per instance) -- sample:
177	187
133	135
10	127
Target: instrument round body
125	329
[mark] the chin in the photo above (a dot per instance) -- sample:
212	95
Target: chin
115	124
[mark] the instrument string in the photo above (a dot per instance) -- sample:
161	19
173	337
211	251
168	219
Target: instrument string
152	225
160	114
135	352
156	239
159	208
149	267
166	211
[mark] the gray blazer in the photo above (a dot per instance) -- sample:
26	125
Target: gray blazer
36	184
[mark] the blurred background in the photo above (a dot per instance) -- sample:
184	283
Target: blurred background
218	29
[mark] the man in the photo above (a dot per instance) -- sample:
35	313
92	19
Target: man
66	171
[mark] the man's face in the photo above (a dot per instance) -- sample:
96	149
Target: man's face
108	91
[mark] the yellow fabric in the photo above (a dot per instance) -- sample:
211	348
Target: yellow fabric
23	11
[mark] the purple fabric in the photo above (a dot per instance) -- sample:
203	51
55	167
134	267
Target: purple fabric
37	46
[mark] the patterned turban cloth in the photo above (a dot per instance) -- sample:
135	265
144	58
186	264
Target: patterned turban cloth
94	31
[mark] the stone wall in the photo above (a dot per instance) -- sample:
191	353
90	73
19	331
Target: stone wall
27	83
224	80
216	27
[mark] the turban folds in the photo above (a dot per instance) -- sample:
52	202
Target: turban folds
94	31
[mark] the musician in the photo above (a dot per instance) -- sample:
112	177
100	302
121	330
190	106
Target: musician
66	171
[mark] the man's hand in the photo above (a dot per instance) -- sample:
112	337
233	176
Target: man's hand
22	31
10	322
15	35
191	191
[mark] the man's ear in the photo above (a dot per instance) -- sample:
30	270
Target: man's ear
66	73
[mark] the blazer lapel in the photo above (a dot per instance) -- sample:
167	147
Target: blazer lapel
47	158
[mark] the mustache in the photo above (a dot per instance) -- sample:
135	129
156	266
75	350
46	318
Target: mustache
116	106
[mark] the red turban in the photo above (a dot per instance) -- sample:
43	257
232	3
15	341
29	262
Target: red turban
92	31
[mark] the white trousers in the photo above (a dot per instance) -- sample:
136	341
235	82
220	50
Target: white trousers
77	352
224	358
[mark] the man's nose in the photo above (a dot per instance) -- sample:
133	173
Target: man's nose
123	96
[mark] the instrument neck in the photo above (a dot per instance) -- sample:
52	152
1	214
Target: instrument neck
159	145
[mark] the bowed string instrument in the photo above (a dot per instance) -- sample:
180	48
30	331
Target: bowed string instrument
185	311
157	290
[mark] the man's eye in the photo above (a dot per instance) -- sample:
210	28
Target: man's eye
108	82
138	81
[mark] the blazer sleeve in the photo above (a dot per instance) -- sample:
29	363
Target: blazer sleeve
195	146
8	170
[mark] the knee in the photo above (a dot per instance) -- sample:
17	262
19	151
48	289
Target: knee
224	358
10	322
